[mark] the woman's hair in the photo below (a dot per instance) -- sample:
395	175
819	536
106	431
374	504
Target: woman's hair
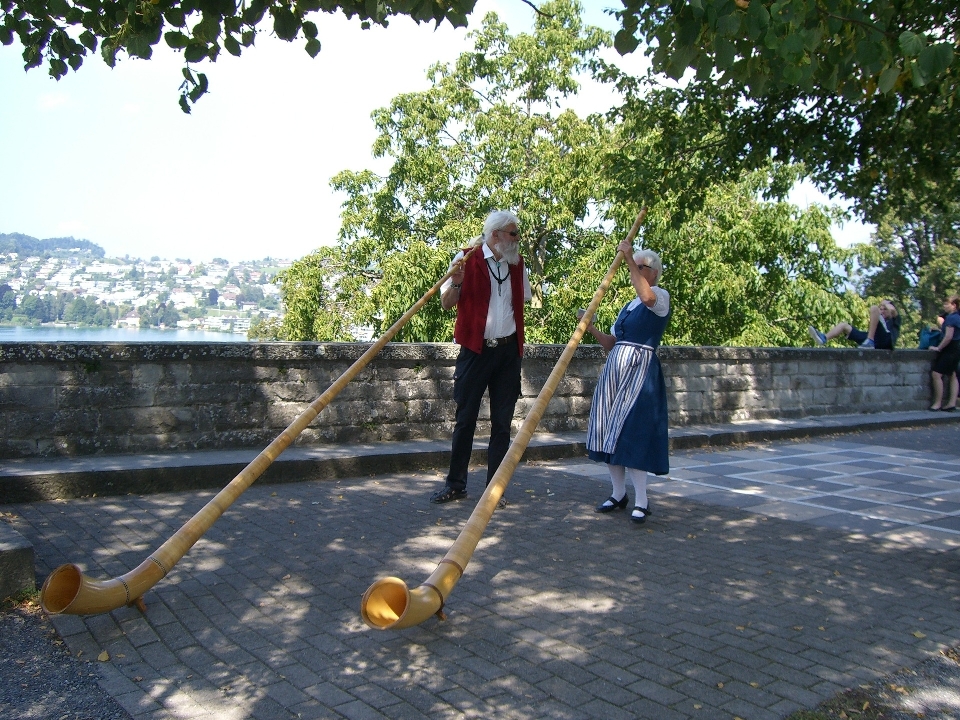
955	301
649	257
497	220
894	306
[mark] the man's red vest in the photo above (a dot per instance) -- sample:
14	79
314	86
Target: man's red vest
474	302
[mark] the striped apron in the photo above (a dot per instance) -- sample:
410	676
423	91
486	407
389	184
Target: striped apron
617	391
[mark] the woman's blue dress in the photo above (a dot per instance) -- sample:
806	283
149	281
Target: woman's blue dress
642	442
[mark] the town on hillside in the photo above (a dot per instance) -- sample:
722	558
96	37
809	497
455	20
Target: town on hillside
71	282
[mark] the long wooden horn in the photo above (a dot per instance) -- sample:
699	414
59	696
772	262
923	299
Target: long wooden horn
388	604
68	590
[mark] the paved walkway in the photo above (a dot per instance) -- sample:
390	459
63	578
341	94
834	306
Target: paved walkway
769	578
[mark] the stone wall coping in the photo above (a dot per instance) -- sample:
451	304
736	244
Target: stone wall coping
18	352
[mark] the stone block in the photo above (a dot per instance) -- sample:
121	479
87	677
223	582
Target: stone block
28	397
16	562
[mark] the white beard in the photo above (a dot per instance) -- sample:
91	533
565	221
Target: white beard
509	251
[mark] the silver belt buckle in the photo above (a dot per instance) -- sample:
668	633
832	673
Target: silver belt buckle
491	342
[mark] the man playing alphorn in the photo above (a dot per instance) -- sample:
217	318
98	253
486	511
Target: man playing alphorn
488	290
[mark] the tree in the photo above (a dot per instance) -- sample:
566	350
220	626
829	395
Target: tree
8	301
61	33
487	135
848	46
313	312
915	262
759	269
747	272
858	91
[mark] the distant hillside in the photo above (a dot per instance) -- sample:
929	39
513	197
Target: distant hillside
26	245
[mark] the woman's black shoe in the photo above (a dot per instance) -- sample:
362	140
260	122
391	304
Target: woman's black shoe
642	518
614	504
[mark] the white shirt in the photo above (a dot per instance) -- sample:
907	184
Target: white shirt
660	308
500	320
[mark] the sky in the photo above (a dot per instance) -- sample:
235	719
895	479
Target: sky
108	156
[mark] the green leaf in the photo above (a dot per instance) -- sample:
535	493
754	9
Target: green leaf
312	47
934	59
6	35
175	16
792	74
309	29
791	49
285	24
184	105
728	25
725	53
176	39
195	52
916	74
851	91
89	40
757	19
625	43
888	78
868	52
58	8
911	44
231	44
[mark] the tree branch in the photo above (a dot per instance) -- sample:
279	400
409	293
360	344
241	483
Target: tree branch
537	10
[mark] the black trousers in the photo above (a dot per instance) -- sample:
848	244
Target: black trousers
495	369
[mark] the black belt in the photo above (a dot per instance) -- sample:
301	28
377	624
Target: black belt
494	342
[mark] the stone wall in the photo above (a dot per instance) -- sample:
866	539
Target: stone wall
64	399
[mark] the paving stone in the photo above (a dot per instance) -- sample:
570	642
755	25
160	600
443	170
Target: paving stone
545	617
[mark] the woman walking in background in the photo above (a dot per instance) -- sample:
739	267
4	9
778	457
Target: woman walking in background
948	356
628	418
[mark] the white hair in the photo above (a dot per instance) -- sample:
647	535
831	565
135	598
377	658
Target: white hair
498	220
649	257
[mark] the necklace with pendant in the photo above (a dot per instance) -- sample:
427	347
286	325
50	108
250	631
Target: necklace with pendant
496	275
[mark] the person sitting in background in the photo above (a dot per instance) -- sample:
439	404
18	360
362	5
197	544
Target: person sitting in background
948	356
882	332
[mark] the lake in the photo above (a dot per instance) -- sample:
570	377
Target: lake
121	335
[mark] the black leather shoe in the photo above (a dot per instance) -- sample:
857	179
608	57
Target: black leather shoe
615	504
448	494
642	518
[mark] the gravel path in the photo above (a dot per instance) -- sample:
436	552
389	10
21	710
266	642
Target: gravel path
41	680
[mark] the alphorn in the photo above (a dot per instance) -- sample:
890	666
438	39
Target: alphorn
389	604
68	590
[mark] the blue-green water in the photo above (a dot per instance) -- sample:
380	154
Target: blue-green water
121	335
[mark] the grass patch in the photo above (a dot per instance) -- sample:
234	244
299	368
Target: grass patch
23	600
